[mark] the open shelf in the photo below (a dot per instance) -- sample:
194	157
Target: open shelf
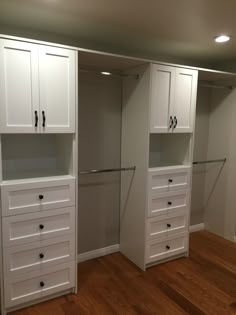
34	156
166	150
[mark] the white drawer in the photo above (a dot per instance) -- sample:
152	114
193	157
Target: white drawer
32	227
161	249
168	203
166	225
169	180
34	285
36	196
38	255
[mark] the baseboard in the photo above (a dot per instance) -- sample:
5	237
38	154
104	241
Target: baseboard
196	227
98	253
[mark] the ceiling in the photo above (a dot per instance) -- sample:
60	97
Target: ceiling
165	29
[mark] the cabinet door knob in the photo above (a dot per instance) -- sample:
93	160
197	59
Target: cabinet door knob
170	180
167	247
41	255
41	284
168	225
36	118
41	197
44	118
169	203
41	226
171	122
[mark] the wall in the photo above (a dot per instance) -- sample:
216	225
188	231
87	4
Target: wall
200	154
99	147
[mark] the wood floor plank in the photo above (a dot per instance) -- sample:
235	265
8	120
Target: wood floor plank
203	284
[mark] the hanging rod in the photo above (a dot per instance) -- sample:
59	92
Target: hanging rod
108	170
210	161
216	86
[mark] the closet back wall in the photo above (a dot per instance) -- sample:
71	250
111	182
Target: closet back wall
98	148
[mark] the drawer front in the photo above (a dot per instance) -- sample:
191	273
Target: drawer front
157	250
167	225
33	227
168	203
36	196
38	255
169	180
34	285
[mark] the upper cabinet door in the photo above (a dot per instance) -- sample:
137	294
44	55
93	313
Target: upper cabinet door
184	100
162	91
57	79
19	98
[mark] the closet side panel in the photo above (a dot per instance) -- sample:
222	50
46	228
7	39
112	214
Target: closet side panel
200	154
134	151
220	196
99	148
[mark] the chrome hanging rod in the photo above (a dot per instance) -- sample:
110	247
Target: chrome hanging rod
215	86
108	170
210	161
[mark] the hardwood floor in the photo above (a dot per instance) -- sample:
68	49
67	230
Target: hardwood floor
204	283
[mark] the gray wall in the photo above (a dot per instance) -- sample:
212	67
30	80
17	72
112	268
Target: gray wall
99	147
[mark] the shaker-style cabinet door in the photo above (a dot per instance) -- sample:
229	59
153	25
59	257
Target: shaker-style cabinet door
162	92
57	81
184	99
19	97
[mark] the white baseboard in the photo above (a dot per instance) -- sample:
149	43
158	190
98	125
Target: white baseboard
196	227
98	253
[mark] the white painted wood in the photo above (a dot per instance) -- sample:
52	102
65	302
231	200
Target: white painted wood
185	99
26	258
25	197
19	95
166	225
57	75
134	151
166	180
159	249
98	253
161	100
25	288
168	203
24	228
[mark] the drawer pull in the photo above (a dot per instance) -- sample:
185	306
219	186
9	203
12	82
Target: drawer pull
41	226
41	197
41	284
41	255
168	225
170	180
169	203
167	247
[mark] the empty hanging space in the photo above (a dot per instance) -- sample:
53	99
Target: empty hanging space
214	179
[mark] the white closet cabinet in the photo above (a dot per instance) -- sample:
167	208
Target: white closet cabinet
37	86
173	99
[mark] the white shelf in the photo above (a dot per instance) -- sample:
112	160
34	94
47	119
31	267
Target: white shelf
35	178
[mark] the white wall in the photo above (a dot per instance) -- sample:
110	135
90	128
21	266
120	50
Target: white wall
99	147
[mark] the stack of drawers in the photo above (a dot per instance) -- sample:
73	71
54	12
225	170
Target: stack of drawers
38	233
168	213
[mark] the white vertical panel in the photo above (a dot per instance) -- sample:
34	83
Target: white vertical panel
18	86
57	89
185	99
162	88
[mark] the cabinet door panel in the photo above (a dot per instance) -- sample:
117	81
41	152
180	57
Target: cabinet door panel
162	89
19	94
57	89
185	99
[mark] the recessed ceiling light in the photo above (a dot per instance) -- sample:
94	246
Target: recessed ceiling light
222	38
106	73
